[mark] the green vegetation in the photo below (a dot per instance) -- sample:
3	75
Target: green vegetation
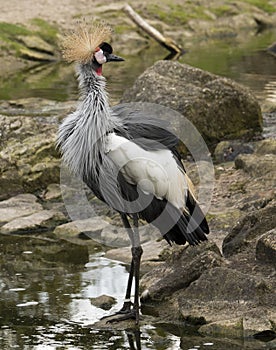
9	34
46	31
176	14
264	5
224	10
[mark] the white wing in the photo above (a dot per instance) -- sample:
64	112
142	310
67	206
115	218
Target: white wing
155	172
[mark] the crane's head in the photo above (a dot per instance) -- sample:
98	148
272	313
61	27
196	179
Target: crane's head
87	45
103	54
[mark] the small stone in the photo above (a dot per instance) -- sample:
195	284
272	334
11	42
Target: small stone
267	146
52	193
227	151
104	302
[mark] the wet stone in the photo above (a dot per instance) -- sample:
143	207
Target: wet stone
104	302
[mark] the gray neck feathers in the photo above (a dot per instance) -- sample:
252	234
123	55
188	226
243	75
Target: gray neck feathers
83	133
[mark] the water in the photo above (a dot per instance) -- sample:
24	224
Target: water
242	58
46	304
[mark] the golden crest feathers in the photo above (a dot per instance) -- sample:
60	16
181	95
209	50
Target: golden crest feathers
81	43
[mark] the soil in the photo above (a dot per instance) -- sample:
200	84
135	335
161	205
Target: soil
61	12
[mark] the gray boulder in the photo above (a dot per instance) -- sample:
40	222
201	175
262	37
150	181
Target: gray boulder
247	231
230	302
218	107
184	266
28	158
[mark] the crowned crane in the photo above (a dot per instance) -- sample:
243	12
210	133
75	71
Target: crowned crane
126	157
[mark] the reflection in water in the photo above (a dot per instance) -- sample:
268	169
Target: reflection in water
270	88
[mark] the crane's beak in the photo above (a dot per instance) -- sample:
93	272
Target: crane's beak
113	58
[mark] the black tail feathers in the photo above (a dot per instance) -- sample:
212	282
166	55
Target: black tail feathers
191	227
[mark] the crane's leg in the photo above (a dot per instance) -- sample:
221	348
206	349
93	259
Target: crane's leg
136	252
127	303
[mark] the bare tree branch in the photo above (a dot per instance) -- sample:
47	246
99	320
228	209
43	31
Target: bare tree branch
168	43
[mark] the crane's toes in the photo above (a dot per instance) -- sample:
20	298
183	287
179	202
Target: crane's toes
123	316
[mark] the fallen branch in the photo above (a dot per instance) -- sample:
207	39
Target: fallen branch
168	43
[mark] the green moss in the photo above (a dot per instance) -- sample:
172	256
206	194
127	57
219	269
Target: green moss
12	30
223	10
8	36
264	5
176	14
46	31
123	28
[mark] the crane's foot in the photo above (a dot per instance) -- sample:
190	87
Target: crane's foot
126	313
118	317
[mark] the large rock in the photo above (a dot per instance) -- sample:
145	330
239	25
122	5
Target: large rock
231	302
18	206
218	107
28	158
246	232
184	266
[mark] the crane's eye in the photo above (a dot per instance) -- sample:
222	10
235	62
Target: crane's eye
106	47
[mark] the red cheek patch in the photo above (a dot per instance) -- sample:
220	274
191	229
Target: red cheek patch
99	70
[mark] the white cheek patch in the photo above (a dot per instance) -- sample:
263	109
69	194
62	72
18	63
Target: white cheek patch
100	57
